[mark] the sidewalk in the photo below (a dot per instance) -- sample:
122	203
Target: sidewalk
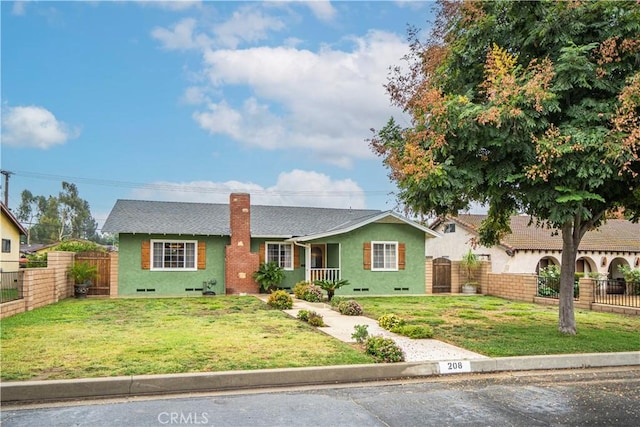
416	350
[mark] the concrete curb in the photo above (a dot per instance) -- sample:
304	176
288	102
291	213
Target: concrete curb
87	388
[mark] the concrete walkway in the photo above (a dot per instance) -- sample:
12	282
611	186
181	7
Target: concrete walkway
415	350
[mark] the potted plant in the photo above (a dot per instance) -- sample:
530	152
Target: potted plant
82	273
269	276
470	262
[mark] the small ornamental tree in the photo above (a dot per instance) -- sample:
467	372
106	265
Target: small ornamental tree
525	107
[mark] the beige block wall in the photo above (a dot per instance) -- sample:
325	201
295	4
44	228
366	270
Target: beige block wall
43	286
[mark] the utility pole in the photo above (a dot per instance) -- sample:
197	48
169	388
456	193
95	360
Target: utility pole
6	174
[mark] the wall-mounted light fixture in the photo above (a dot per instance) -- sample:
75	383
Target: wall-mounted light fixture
604	261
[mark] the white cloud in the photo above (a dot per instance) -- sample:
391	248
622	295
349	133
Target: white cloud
247	24
33	126
323	101
19	7
175	5
294	188
181	36
323	10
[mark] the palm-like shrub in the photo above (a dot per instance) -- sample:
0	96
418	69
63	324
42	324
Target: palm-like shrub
269	276
331	285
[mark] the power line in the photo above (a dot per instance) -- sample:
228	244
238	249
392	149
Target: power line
190	188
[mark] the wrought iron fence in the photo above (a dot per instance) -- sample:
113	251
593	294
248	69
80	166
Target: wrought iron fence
549	287
617	292
11	286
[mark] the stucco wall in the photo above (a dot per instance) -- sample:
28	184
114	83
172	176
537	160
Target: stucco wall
10	261
454	245
409	281
132	279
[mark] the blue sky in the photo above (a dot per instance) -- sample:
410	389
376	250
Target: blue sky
191	100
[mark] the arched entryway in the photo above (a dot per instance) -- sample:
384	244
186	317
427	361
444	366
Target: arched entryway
441	276
546	262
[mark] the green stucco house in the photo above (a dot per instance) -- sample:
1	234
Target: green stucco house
174	248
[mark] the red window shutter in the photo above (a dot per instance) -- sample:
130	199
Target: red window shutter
145	256
366	256
296	256
202	255
261	252
401	256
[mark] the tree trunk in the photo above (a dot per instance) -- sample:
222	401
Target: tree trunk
570	243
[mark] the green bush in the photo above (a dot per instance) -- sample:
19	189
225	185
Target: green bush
414	331
360	333
310	316
335	302
350	308
389	321
280	300
383	350
300	289
313	294
315	319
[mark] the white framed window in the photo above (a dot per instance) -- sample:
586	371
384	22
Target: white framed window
174	255
384	256
281	254
450	228
6	245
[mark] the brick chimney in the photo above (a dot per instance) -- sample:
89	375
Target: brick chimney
240	262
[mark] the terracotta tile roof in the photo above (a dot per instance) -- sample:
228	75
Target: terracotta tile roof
616	235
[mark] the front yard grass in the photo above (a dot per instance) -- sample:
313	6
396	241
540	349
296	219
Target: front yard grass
99	338
497	327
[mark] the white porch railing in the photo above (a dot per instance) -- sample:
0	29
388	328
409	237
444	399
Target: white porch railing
331	274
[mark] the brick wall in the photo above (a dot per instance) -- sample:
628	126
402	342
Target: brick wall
113	274
240	262
518	287
43	286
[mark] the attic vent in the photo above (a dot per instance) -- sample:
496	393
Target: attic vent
450	228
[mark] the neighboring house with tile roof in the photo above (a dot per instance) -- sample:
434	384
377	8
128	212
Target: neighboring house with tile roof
172	248
529	248
11	231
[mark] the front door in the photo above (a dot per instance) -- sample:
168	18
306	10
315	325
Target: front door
317	256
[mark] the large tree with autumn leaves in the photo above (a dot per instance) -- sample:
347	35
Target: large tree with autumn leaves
529	107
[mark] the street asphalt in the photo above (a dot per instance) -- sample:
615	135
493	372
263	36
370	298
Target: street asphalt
425	358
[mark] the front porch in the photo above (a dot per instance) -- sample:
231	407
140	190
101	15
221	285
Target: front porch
322	262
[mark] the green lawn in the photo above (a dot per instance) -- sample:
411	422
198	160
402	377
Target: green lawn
97	338
498	327
101	337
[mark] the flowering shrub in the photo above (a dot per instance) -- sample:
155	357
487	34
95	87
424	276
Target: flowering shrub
300	289
383	350
313	294
313	318
389	321
350	308
280	300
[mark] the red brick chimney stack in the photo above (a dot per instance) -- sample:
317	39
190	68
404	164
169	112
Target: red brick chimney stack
241	263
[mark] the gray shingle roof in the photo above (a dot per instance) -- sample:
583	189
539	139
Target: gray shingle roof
149	217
